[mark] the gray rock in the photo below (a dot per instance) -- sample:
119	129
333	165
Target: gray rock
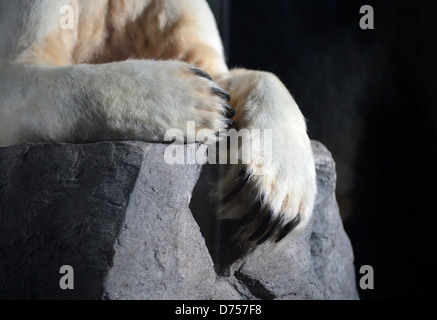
62	205
317	265
133	227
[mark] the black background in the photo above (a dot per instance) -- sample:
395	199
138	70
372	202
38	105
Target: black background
370	97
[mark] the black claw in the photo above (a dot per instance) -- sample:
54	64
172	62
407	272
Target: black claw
288	228
230	123
221	93
262	228
251	215
201	73
230	111
272	230
244	177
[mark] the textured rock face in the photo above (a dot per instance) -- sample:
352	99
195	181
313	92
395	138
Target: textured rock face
133	227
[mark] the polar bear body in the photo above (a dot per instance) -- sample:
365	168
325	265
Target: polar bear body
82	71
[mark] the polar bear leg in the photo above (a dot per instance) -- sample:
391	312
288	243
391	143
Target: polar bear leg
129	100
274	192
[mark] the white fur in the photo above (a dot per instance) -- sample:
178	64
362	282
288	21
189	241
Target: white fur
288	181
134	99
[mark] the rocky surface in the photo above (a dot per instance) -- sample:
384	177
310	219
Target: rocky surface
133	227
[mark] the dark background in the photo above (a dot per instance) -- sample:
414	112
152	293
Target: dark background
370	97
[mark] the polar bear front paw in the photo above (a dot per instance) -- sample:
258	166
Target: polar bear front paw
145	99
268	206
190	95
271	193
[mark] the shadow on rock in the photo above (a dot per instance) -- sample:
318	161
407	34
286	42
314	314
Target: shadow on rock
219	234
